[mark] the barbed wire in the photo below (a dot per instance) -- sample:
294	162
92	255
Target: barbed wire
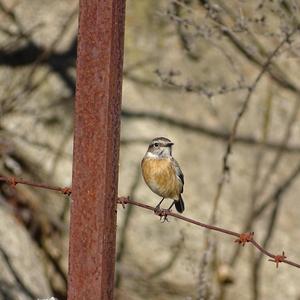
241	238
13	181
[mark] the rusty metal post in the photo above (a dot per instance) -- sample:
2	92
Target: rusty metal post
96	149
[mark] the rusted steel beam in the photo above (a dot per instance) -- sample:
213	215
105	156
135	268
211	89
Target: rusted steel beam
96	149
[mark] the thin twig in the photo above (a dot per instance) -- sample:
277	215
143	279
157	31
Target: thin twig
232	136
18	278
280	154
248	97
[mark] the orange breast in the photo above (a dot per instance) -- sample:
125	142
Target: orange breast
160	176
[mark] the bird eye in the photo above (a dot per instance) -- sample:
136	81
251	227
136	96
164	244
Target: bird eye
156	145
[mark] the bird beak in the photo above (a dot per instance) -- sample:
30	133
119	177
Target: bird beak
170	144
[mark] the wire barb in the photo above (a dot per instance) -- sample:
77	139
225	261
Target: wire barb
244	238
123	201
278	259
12	181
67	191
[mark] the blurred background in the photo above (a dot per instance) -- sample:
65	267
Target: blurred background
190	67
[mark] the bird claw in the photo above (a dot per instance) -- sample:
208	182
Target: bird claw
164	219
162	213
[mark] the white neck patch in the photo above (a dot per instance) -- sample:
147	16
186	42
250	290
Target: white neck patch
151	155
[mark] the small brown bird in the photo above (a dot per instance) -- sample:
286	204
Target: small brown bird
162	173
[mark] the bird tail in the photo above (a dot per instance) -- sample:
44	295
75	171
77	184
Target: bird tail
179	204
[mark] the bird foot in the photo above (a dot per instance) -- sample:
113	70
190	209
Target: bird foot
157	209
162	213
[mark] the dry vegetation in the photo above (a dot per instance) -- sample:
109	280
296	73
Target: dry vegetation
220	79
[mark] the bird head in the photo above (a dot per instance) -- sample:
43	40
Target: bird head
160	147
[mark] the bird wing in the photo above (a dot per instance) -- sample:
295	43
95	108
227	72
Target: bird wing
179	173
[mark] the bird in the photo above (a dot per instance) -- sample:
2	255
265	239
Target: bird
162	173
